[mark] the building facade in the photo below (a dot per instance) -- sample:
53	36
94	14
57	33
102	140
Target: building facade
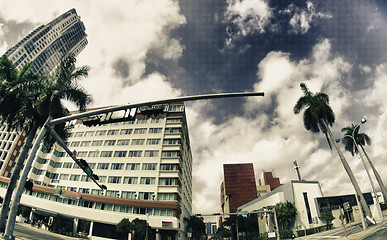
239	186
47	44
301	193
146	164
43	48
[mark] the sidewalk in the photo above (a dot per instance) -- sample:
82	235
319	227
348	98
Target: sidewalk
354	231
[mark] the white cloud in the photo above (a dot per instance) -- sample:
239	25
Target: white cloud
302	19
248	16
274	143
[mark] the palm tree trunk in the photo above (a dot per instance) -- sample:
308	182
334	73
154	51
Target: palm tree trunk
8	234
378	178
14	178
347	168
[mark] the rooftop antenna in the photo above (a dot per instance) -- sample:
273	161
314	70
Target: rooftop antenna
297	168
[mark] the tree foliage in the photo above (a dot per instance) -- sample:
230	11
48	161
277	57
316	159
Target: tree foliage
286	214
361	139
34	98
196	226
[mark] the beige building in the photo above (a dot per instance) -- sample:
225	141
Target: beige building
146	164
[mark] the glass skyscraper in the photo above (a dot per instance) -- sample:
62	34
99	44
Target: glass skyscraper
47	44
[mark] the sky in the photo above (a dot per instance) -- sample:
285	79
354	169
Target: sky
150	50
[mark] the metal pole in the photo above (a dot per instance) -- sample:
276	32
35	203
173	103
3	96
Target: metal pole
22	181
276	224
172	100
342	222
237	227
368	173
361	213
70	153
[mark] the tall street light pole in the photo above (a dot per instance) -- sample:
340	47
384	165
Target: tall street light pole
365	167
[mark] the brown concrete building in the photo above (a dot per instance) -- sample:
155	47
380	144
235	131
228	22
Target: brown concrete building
238	187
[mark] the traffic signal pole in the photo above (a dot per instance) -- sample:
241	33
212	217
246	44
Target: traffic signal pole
137	105
74	157
49	124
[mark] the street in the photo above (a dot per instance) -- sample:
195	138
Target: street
379	235
26	232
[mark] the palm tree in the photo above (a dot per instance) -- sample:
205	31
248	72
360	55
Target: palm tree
361	139
19	92
62	84
286	213
196	226
318	116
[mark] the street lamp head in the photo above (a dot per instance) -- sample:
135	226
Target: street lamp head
363	120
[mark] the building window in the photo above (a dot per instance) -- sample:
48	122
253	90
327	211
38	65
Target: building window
155	130
100	133
173	120
113	132
78	134
128	122
82	154
132	166
41	160
67	165
168	167
84	190
140	131
142	121
103	166
114	179
64	177
85	143
117	166
112	193
102	179
307	206
97	191
106	154
120	153
135	153
165	196
92	165
74	144
138	141
96	143
37	171
167	181
146	195
149	166
123	142
170	141
151	153
126	131
89	133
147	180
74	177
169	154
130	195
93	154
85	178
130	180
153	141
109	142
156	120
172	130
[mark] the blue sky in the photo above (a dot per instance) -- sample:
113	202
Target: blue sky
149	50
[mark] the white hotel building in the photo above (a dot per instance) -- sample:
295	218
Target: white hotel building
145	163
